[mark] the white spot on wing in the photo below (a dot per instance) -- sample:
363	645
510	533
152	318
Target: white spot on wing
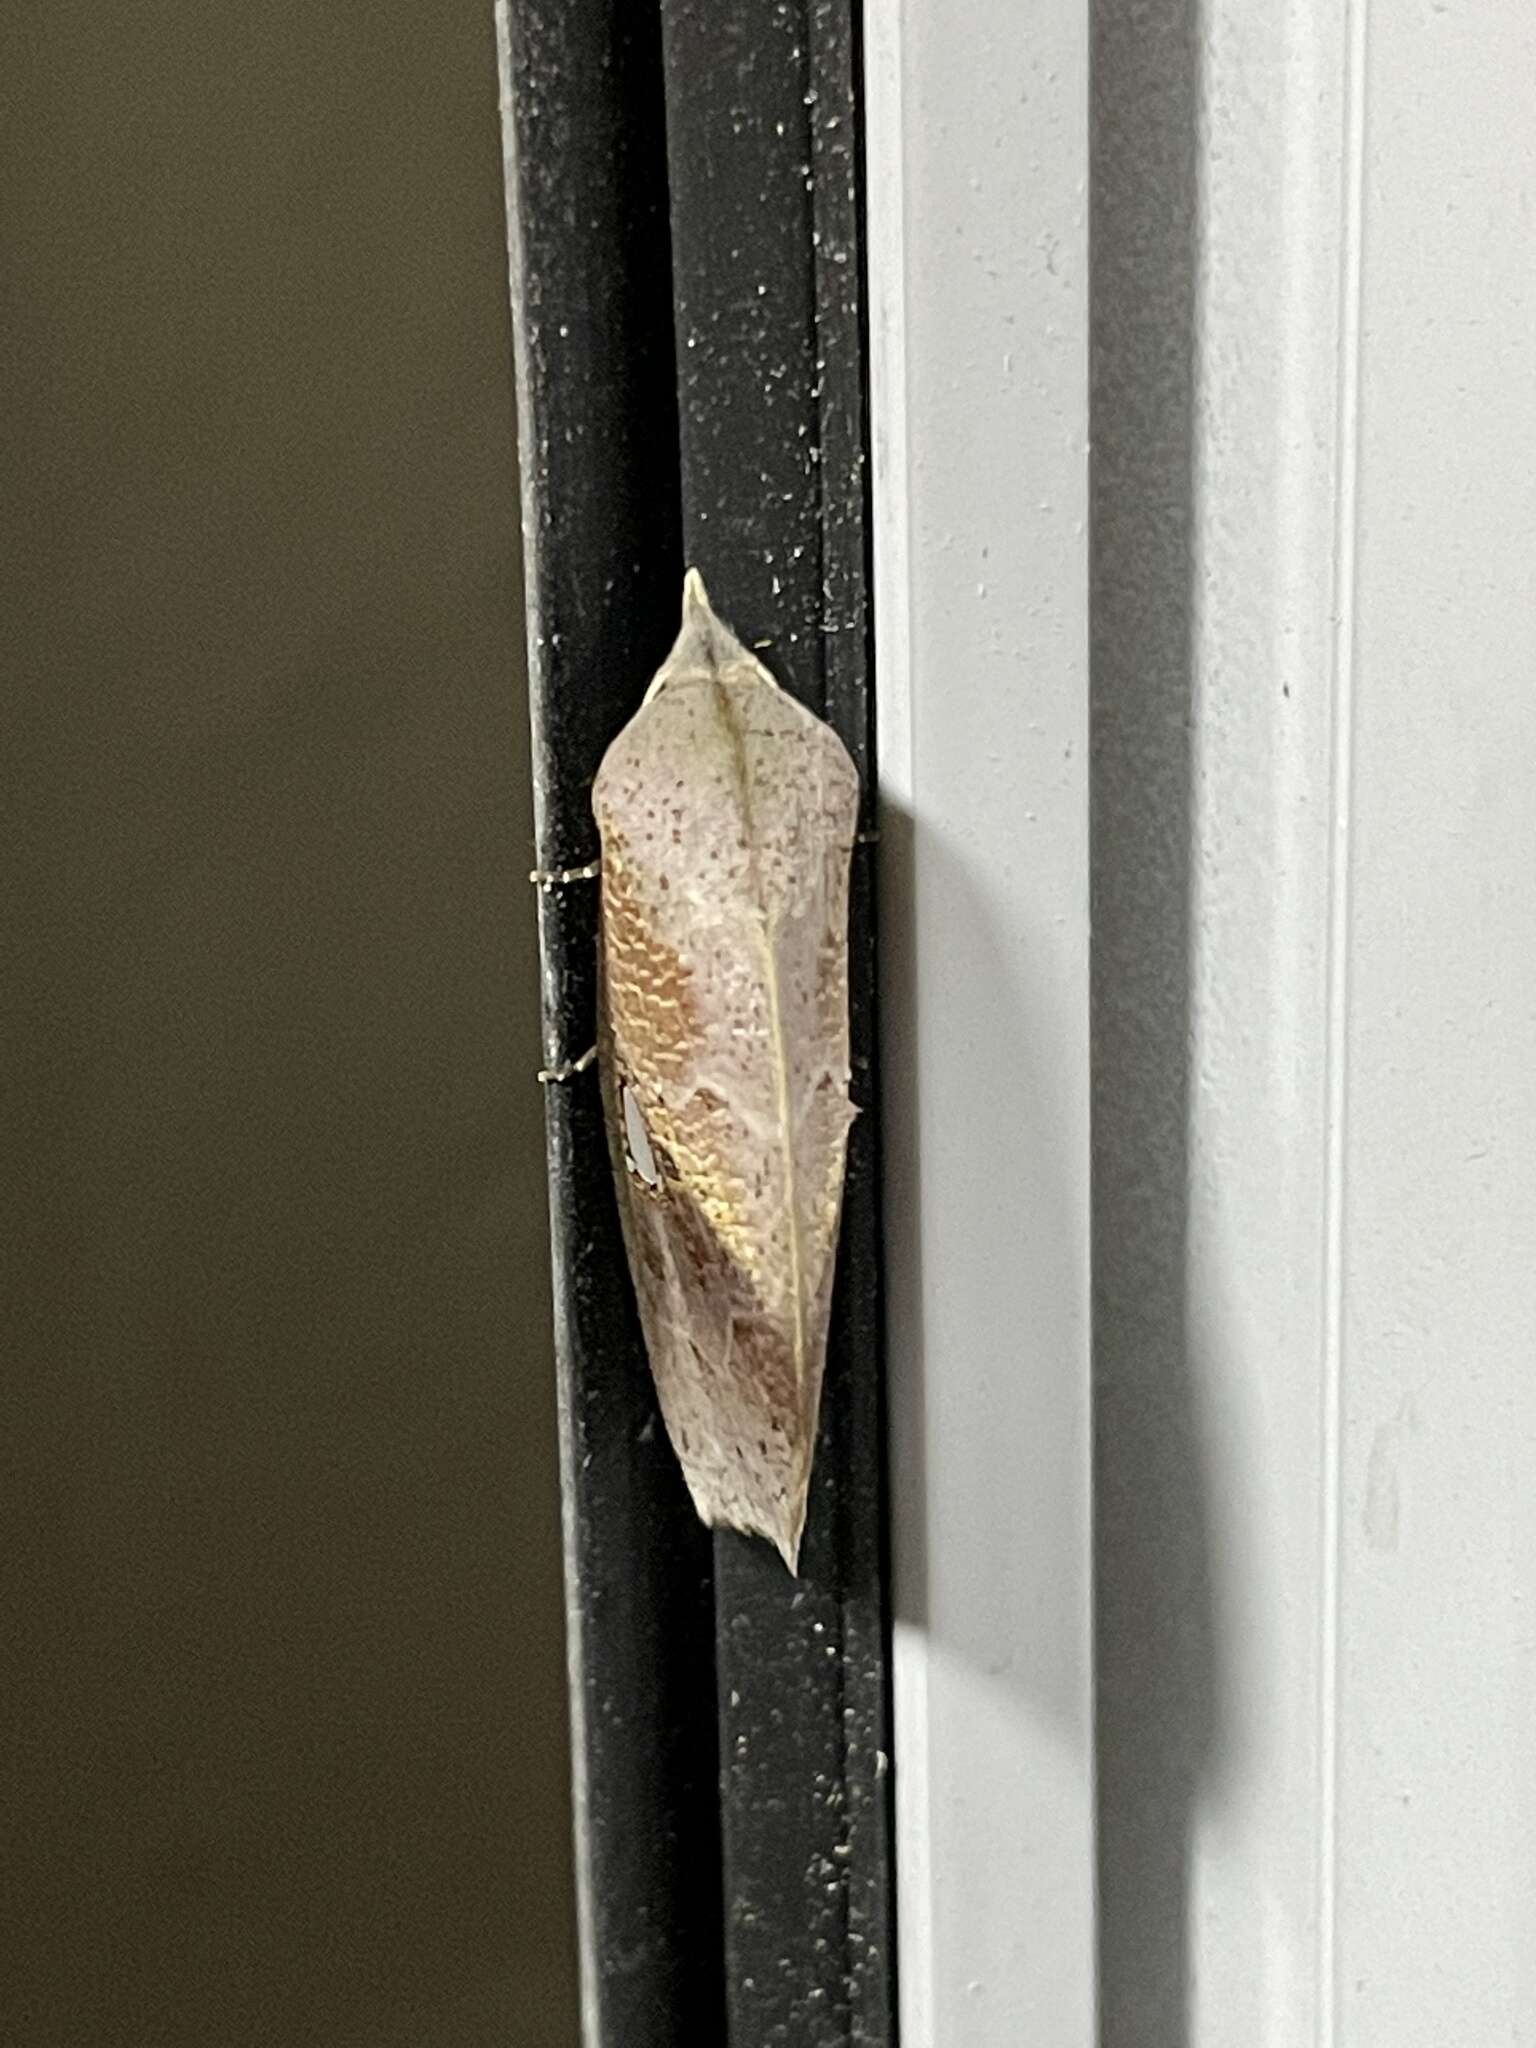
637	1141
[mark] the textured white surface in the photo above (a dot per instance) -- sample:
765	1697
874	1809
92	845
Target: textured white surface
1314	1015
1315	1019
977	144
1437	1678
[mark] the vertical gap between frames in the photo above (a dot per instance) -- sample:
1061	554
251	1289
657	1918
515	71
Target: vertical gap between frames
1335	1193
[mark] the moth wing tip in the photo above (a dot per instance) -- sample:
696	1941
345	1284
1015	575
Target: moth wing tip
782	1531
704	643
784	1537
788	1532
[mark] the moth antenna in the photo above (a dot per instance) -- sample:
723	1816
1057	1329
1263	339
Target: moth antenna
569	1069
561	878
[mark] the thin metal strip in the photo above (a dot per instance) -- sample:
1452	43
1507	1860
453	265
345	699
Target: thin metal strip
592	314
763	148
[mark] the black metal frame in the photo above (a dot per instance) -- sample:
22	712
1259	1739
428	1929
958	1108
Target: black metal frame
687	287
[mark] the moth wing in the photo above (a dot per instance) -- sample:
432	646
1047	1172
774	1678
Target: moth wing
727	815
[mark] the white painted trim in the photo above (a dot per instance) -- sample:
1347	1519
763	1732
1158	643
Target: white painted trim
977	146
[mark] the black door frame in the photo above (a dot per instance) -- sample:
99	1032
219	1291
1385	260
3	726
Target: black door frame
685	223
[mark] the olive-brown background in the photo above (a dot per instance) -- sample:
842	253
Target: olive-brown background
282	1752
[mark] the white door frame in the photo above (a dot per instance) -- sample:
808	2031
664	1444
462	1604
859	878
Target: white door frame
977	150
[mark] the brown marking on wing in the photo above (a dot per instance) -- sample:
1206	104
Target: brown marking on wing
649	984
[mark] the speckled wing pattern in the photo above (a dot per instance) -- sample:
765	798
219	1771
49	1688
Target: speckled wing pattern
727	814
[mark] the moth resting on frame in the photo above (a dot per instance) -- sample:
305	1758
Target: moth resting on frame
727	814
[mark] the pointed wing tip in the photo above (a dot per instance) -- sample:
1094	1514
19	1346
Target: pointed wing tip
787	1526
782	1531
786	1541
705	642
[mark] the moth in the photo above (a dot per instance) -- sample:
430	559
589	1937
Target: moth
727	814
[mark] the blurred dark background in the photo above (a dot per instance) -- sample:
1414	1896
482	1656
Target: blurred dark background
282	1736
